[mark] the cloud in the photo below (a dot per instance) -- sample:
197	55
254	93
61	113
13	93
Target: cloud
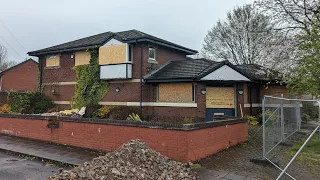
38	24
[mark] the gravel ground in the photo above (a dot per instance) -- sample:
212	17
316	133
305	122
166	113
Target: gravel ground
16	168
237	160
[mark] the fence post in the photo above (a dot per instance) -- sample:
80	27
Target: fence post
263	128
282	118
298	114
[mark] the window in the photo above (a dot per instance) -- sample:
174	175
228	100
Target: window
152	54
53	61
175	92
82	58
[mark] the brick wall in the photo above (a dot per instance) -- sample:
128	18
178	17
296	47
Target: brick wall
23	77
63	73
182	145
162	56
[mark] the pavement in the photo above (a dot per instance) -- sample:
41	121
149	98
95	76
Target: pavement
47	151
15	168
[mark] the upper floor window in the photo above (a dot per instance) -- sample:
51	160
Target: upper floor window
53	61
152	54
82	58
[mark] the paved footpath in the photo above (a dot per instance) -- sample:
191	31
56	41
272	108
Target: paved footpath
76	156
49	151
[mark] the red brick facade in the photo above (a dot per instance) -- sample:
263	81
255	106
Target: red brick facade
182	145
22	77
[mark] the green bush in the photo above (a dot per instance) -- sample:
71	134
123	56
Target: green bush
102	112
21	101
29	102
252	120
309	111
122	112
42	104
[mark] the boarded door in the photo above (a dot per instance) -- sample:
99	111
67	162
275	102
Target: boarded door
220	100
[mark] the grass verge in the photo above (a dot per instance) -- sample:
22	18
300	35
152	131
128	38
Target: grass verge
310	153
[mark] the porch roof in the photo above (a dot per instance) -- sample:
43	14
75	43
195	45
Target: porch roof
203	69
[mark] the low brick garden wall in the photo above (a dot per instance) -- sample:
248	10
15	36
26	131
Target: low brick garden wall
180	142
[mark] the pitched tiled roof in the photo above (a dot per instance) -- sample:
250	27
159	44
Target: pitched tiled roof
99	39
189	69
195	69
260	73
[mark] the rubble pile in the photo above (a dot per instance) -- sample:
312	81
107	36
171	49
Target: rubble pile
135	160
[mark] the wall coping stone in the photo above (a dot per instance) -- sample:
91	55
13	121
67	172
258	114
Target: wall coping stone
156	125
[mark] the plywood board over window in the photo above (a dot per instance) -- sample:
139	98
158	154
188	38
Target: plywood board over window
175	92
53	60
220	97
113	54
82	58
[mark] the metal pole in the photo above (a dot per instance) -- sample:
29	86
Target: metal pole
263	127
282	118
297	153
298	114
279	168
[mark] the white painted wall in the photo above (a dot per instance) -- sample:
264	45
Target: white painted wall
225	73
118	71
113	42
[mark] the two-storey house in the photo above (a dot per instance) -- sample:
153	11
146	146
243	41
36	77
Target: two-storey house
155	74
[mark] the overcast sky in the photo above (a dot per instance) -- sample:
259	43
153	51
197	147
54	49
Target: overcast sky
38	24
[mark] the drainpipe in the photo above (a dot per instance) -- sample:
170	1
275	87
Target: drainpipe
141	62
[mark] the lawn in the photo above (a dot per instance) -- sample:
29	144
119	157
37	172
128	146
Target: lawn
310	153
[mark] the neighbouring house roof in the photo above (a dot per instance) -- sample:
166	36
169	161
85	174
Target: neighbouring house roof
195	69
3	72
129	36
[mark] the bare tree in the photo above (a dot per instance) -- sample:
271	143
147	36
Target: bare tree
292	14
4	62
249	37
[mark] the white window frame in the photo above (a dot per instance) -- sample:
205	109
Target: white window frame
155	55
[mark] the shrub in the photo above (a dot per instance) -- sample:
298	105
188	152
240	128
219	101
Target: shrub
309	110
252	120
134	117
269	115
29	102
5	108
21	101
102	112
122	112
41	104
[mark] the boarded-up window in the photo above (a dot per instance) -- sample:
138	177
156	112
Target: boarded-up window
113	54
82	58
175	92
220	97
53	60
